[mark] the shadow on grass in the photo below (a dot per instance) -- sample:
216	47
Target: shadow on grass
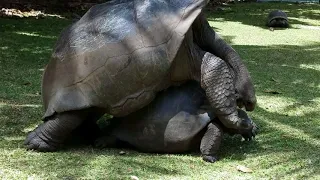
290	134
290	70
256	14
25	47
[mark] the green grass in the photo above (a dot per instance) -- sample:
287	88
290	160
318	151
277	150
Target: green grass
284	61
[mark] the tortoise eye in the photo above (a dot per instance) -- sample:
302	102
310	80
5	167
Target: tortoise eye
249	106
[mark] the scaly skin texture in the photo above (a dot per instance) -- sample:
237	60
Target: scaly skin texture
210	142
52	134
218	83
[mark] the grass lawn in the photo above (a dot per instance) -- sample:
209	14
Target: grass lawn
285	67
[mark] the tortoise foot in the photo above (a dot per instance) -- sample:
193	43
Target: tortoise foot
36	140
209	158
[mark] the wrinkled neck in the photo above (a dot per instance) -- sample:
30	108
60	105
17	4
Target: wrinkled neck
198	55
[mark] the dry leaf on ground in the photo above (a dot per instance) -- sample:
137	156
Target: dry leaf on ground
244	169
122	153
134	178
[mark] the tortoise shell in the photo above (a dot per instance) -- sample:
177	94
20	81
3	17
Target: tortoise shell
117	55
277	18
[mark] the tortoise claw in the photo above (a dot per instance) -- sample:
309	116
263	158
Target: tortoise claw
36	141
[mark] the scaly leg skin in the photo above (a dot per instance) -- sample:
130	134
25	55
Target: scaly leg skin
210	143
51	135
218	82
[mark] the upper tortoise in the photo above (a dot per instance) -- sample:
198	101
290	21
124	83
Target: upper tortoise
121	53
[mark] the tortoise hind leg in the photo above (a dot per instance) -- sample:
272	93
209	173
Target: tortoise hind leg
210	143
51	135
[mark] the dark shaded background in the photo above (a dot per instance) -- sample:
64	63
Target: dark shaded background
50	5
65	5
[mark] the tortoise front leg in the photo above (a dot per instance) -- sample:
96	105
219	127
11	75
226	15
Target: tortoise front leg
210	142
218	83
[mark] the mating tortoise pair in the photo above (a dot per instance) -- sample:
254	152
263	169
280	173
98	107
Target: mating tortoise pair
120	54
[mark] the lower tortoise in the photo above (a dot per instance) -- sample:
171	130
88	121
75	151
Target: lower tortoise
177	121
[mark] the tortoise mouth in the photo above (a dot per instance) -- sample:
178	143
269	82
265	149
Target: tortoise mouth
240	104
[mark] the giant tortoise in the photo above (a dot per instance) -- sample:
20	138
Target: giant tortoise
177	120
277	18
121	53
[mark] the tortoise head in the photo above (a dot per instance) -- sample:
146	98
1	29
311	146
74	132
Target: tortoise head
243	115
246	97
244	90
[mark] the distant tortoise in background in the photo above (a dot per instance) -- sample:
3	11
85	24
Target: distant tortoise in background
178	120
277	18
121	53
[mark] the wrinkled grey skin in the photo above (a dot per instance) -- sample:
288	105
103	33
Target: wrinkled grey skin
277	18
120	54
176	121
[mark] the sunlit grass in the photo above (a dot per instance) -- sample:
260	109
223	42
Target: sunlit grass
34	34
255	35
285	67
